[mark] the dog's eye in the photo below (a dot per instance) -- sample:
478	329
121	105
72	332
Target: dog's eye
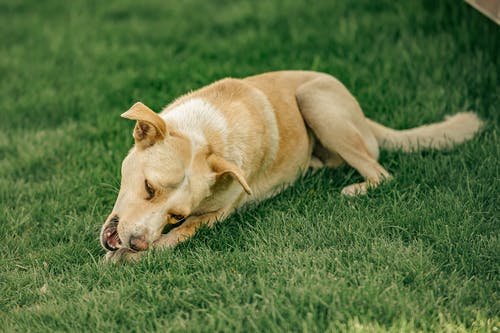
149	189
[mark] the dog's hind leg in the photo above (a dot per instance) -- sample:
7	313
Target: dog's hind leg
340	126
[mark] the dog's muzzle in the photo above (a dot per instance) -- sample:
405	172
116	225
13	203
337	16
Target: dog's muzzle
109	237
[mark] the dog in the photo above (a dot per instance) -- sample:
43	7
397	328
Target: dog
239	141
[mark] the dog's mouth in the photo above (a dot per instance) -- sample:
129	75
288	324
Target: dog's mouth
110	239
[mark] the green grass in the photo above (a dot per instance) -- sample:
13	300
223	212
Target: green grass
421	253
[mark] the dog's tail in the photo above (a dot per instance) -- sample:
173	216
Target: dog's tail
454	129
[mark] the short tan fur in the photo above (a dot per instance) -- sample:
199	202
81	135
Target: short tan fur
242	140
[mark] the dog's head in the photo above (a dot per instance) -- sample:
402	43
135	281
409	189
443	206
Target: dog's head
165	178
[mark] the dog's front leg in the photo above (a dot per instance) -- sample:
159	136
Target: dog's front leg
187	229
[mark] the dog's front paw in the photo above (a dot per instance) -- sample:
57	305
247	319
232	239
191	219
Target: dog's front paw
355	189
122	255
169	240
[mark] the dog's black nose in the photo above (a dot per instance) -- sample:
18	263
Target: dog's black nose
138	243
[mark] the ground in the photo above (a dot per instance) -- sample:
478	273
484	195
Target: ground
421	253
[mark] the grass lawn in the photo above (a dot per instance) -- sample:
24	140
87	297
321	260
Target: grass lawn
421	253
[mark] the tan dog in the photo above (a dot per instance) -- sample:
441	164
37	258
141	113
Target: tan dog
242	140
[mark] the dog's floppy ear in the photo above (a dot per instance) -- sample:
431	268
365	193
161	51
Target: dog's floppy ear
150	128
221	166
